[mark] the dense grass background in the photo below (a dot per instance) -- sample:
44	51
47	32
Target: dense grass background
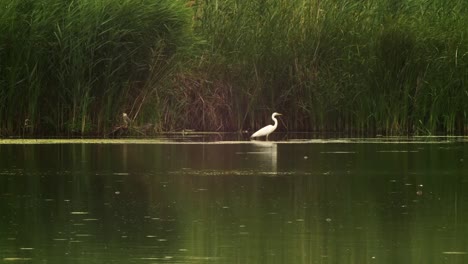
368	66
74	66
390	67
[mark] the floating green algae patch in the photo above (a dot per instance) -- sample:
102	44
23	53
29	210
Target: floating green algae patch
200	139
81	141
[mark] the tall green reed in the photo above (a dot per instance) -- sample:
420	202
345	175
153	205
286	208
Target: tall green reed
73	66
369	66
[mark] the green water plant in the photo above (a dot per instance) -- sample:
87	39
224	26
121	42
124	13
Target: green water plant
74	66
379	67
366	67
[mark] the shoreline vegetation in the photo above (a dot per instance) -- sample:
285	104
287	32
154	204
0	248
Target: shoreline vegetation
72	68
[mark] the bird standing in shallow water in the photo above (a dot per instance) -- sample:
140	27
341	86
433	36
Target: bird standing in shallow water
267	130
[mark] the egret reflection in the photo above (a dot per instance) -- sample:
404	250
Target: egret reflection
266	156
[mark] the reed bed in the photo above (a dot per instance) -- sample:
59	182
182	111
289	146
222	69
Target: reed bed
365	67
73	67
386	67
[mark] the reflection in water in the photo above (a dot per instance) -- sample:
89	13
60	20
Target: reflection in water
267	155
198	203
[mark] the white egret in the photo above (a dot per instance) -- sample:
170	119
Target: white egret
267	130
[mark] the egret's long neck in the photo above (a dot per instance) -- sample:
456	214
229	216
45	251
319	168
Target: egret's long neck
274	120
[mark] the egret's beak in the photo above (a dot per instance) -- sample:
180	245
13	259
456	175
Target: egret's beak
279	114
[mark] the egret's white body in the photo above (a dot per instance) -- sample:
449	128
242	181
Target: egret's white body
267	130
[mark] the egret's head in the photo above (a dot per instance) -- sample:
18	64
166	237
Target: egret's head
276	114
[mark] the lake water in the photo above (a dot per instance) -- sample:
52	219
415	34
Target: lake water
319	201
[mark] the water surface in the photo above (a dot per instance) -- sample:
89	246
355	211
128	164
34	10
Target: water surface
337	201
